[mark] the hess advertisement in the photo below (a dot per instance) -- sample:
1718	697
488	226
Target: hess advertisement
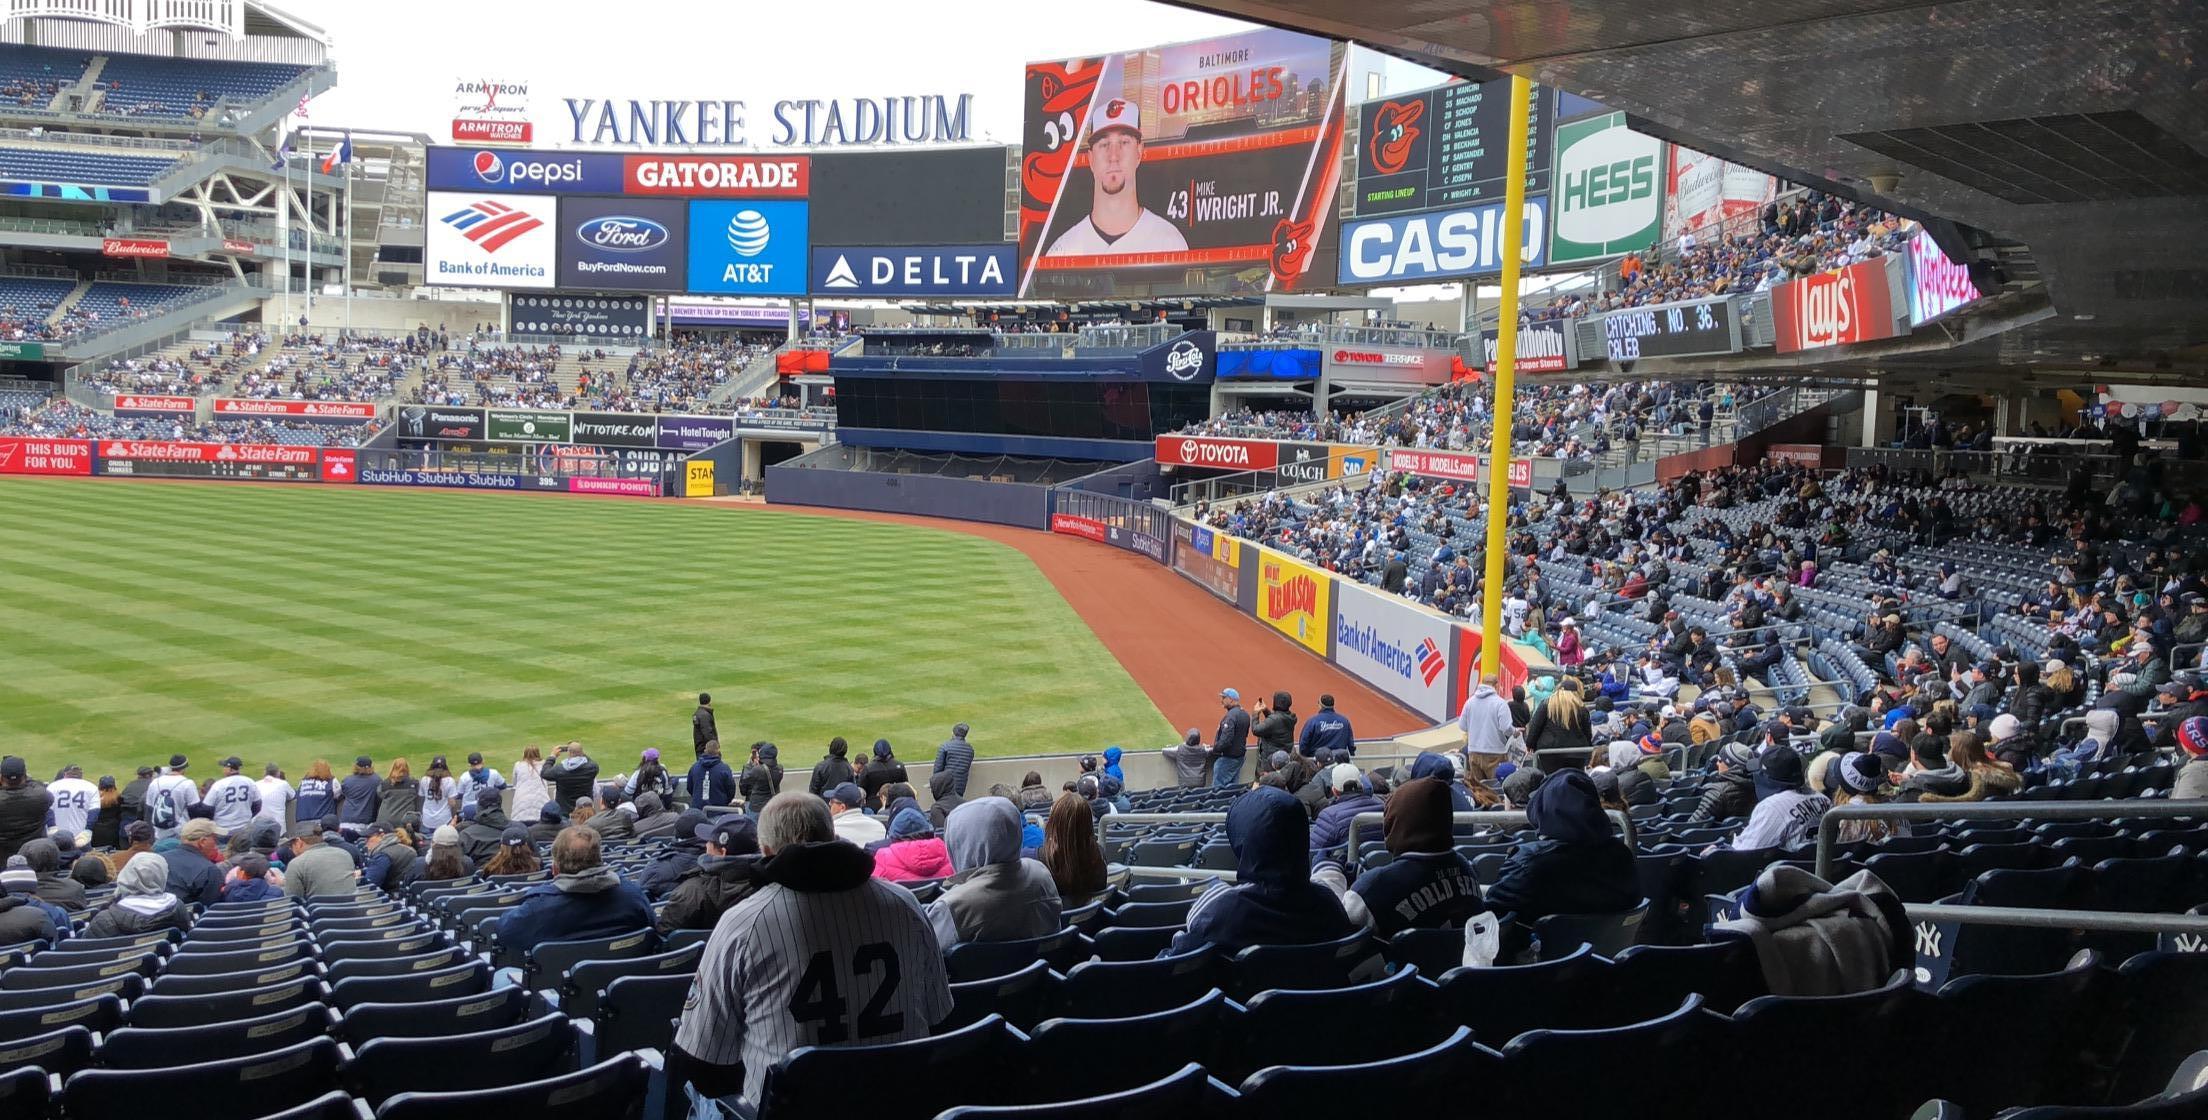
492	240
1205	167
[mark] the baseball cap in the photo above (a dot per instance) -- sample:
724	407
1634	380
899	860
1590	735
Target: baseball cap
139	832
196	830
1230	694
1116	114
233	763
178	762
445	834
847	793
487	798
514	836
379	829
12	767
686	825
364	760
732	832
651	754
1345	776
475	758
1783	765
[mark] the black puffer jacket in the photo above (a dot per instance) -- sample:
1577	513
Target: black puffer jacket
1730	793
708	890
22	817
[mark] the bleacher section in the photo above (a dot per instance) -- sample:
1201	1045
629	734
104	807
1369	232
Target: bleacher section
55	166
145	85
108	300
26	303
31	76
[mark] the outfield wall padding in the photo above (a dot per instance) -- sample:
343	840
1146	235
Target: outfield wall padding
1021	504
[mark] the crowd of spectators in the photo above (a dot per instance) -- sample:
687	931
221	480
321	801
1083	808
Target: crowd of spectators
1579	420
1811	233
676	378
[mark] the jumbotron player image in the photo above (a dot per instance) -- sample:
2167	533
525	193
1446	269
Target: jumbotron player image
1117	222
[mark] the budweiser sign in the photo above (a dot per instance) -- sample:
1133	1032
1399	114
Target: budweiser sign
133	403
173	451
1846	305
326	410
133	247
236	245
1219	454
45	456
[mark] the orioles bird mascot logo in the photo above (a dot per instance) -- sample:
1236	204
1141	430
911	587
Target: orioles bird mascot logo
1292	245
1394	130
1061	91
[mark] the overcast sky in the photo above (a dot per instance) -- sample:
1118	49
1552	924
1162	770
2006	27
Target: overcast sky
397	61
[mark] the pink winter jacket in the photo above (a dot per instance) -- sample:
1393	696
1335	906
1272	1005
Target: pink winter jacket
907	860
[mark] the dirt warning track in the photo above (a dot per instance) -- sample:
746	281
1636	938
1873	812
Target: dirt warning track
1180	643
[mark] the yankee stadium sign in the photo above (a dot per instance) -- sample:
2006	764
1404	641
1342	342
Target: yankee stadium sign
830	123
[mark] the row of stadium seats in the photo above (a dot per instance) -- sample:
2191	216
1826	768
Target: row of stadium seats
50	165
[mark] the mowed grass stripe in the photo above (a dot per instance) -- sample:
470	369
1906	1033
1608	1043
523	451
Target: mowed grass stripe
293	623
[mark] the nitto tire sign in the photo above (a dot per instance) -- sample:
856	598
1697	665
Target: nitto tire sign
614	429
1609	190
1394	646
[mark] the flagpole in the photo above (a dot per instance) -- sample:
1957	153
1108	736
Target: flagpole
347	152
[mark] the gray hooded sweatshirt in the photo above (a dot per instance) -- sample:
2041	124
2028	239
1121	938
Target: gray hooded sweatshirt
994	895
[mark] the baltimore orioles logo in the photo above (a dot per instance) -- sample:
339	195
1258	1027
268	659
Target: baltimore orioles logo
1394	130
1058	94
1292	245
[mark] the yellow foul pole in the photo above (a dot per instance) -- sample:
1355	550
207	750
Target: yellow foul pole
1505	378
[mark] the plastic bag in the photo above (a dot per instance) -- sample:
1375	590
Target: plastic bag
1483	940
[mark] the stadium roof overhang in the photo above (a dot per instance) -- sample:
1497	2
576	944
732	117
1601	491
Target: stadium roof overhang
2074	127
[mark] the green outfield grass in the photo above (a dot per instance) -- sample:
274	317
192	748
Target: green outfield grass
285	623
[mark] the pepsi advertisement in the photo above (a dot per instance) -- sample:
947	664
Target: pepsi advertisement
623	244
482	169
913	270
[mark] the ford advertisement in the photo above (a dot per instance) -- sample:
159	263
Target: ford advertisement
623	244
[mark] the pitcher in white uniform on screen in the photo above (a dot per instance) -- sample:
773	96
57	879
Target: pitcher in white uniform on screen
1117	223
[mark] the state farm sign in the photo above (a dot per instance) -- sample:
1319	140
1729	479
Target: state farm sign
1218	454
173	451
1461	466
128	402
1846	305
326	410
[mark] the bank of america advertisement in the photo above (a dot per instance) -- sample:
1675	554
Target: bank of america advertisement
1609	190
491	240
1205	167
1394	645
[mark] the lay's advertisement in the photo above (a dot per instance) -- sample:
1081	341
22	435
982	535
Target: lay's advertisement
1295	599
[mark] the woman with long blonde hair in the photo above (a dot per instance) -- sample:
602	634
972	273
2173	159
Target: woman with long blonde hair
1561	723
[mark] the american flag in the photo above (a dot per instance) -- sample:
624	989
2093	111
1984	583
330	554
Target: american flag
301	111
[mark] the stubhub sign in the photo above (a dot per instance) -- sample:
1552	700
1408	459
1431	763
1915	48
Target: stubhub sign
914	270
749	247
1439	244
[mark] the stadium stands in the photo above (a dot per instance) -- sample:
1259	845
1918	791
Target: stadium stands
55	166
146	85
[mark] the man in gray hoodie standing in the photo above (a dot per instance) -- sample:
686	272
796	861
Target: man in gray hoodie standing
1486	723
994	895
1189	760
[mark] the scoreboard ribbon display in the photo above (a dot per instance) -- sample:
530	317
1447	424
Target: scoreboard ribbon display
1673	330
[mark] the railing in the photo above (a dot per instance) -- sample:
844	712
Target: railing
40	272
1140	336
93	139
2020	465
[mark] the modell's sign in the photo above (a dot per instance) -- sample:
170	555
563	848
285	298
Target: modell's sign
1218	454
1543	347
1461	466
1846	305
312	410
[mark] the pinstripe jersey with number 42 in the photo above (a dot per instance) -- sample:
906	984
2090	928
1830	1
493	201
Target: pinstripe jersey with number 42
787	968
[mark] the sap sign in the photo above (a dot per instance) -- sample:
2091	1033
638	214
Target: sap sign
485	169
1445	243
914	270
751	247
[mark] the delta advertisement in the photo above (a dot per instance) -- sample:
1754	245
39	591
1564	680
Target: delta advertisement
1858	303
1609	197
1202	167
1396	646
1937	283
1294	599
1702	191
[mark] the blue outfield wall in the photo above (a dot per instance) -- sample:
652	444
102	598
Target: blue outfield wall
923	495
